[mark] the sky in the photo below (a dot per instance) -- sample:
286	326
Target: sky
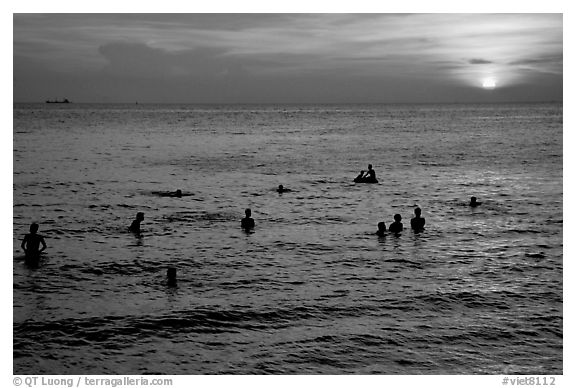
288	58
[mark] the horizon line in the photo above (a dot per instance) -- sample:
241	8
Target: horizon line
296	103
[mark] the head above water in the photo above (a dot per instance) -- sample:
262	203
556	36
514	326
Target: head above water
171	273
178	193
171	277
280	187
140	216
381	226
248	212
397	217
369	167
472	199
418	211
34	227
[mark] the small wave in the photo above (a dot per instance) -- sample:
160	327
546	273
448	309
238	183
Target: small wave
112	268
255	283
405	362
523	231
481	334
202	216
500	300
539	255
99	207
336	294
405	263
112	329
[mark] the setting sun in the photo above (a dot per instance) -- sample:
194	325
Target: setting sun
489	83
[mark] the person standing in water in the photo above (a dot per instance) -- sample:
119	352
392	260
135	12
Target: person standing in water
381	232
171	277
247	222
135	226
396	226
31	244
417	223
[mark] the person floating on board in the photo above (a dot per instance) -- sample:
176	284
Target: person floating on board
367	177
396	226
31	244
247	222
135	226
417	223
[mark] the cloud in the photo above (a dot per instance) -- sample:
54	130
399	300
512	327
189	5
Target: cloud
477	61
545	63
137	60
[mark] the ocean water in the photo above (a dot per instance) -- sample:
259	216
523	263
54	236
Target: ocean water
312	290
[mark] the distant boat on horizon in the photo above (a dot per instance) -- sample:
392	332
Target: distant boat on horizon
64	101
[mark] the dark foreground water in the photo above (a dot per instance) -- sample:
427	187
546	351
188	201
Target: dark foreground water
312	290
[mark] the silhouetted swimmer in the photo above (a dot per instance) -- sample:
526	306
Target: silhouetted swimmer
171	277
396	226
282	189
177	193
381	229
474	203
417	223
31	244
247	222
135	226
